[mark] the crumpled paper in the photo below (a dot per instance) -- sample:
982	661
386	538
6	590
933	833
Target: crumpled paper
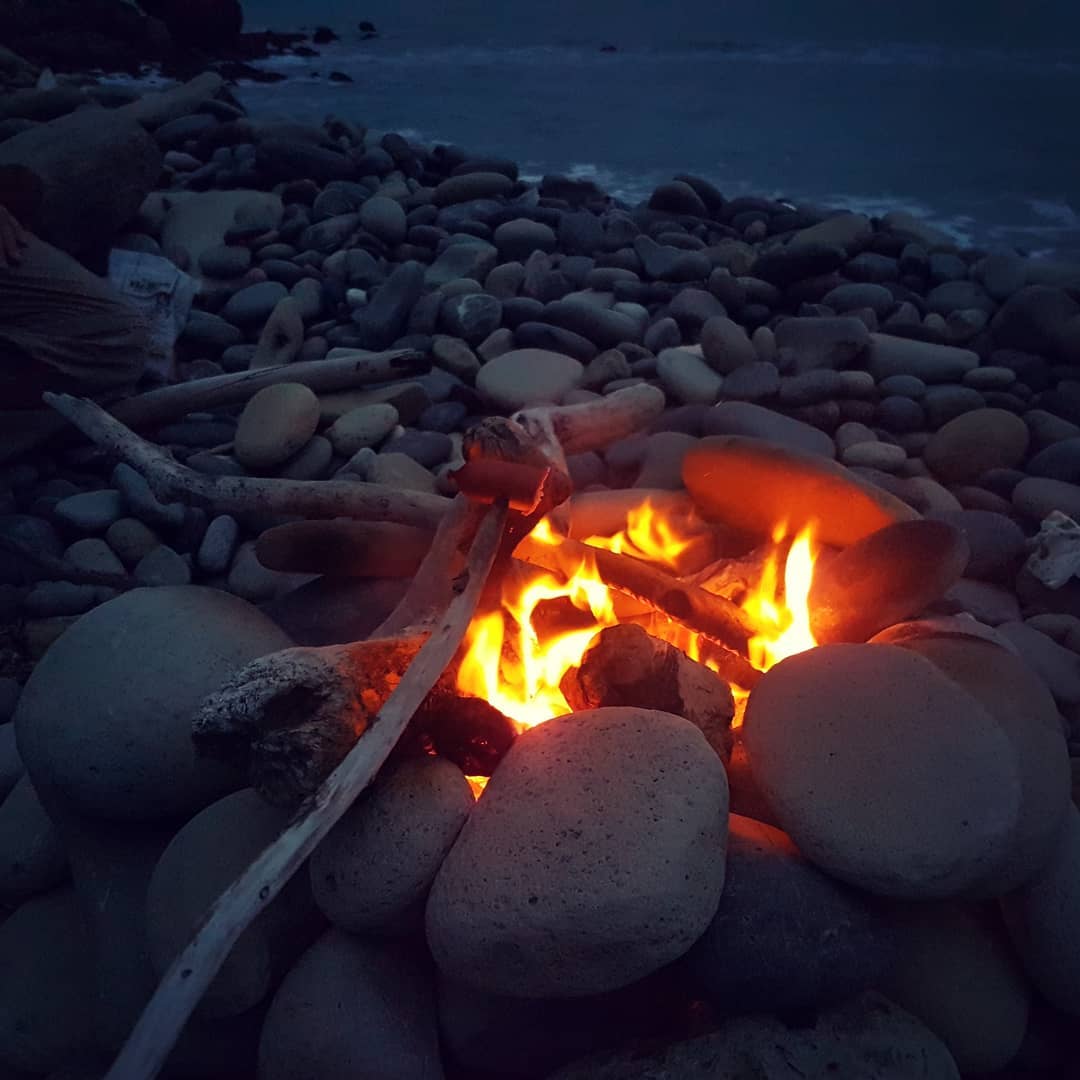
1055	551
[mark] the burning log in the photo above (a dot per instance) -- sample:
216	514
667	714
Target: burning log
711	616
243	494
192	972
625	666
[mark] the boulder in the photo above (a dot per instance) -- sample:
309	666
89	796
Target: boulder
106	717
352	1008
786	936
372	872
754	485
884	772
584	866
96	167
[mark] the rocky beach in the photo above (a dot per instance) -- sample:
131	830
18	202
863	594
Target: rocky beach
864	864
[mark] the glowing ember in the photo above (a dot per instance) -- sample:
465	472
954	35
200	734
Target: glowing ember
518	669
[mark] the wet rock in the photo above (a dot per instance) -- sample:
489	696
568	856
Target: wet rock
529	901
932	828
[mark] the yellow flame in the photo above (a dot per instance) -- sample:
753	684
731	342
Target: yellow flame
508	663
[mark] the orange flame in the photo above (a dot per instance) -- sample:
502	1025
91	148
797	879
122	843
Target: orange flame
510	664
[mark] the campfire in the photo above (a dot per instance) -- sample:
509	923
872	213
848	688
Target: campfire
517	656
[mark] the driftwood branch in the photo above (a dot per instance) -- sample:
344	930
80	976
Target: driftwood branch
191	973
322	376
712	616
246	494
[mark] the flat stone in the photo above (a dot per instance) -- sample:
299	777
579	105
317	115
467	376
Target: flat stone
687	378
91	511
131	539
528	377
383	319
757	422
752	484
891	355
373	870
274	425
752	382
884	578
827	763
162	566
905	386
218	545
427	448
725	346
474	259
95	556
252	306
786	937
888	457
368	425
852	296
538	335
557	889
465	188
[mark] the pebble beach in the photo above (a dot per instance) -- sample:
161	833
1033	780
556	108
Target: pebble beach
916	921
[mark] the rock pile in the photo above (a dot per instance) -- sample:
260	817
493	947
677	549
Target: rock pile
896	814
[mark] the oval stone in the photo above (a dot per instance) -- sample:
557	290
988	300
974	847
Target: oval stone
970	444
275	424
594	857
528	377
884	772
755	485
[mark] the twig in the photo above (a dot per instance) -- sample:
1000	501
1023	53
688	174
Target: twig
245	494
149	1045
340	373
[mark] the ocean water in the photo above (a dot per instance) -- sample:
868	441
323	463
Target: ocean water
965	117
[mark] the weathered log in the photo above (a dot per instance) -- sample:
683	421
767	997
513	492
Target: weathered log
624	665
341	373
244	494
145	1052
692	607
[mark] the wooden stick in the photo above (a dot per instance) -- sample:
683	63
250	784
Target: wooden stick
697	610
154	1036
340	373
246	494
594	425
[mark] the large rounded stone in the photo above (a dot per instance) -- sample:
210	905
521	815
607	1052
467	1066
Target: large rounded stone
519	238
251	307
883	578
368	425
384	218
753	484
373	870
757	422
527	377
352	1008
885	773
469	186
106	717
969	445
687	378
594	857
1041	917
201	861
725	346
1018	699
785	936
958	975
275	424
